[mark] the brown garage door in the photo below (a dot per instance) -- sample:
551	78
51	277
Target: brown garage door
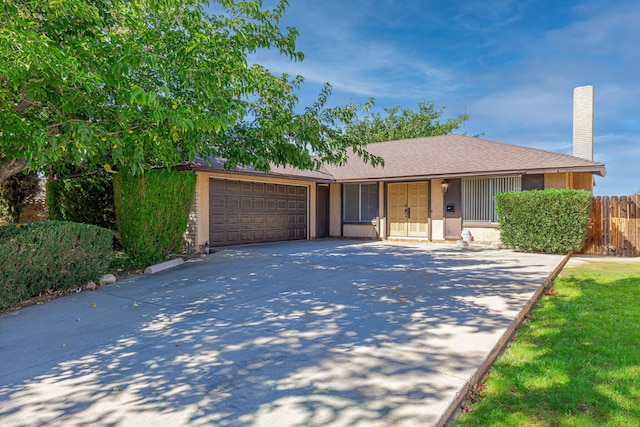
249	212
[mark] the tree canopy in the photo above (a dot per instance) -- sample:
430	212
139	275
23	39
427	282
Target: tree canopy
403	124
125	84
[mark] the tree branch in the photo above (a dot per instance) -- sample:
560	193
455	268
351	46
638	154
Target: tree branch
10	167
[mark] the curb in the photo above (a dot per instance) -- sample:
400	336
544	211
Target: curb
153	269
502	344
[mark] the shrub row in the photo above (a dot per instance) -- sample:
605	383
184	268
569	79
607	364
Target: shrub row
152	212
88	200
554	221
50	255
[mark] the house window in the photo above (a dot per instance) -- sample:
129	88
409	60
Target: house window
478	204
360	202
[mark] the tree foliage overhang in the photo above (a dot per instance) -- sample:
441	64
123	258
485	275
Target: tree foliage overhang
126	84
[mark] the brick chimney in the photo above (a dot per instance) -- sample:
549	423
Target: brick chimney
583	122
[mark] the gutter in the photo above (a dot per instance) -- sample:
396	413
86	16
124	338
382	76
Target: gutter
404	178
262	174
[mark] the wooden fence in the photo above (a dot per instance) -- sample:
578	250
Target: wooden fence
614	228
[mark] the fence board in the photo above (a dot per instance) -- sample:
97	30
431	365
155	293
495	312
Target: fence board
614	227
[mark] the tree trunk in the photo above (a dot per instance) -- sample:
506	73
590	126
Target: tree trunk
10	167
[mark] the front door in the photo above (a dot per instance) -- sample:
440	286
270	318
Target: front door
409	210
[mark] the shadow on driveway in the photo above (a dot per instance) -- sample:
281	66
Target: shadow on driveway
326	332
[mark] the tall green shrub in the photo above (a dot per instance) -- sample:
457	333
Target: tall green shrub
50	255
14	193
152	212
554	221
87	199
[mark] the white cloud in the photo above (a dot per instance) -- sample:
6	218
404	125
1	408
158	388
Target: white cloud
514	64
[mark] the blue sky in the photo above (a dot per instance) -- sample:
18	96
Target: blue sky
512	65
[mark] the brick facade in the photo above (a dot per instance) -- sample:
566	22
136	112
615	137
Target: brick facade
583	122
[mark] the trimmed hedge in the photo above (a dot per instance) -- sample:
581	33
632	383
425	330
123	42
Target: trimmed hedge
88	200
554	221
152	212
38	256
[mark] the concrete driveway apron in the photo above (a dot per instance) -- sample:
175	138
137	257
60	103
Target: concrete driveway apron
327	332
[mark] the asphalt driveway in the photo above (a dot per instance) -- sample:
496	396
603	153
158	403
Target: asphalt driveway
327	332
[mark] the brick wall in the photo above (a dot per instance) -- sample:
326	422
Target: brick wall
583	122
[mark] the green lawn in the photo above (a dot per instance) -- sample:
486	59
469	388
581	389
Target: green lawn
576	361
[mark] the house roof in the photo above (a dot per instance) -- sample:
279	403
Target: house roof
217	164
458	156
445	156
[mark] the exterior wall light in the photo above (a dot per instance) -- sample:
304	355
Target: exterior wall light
445	186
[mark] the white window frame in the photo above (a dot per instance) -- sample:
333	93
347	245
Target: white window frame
478	197
345	204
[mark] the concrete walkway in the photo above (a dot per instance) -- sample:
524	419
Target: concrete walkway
319	333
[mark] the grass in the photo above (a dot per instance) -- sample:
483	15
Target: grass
576	361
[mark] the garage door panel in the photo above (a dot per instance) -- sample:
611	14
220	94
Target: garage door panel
259	203
258	220
217	184
246	203
231	185
270	220
231	202
217	203
247	212
217	219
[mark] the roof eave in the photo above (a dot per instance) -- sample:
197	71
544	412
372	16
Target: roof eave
594	169
199	168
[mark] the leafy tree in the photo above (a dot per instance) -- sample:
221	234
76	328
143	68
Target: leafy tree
125	84
404	124
87	199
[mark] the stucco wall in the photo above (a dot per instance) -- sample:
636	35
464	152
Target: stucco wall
575	180
484	234
555	180
437	199
335	210
361	230
312	201
582	181
437	210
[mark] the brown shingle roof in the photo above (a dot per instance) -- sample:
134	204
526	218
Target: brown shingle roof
217	164
458	155
443	156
